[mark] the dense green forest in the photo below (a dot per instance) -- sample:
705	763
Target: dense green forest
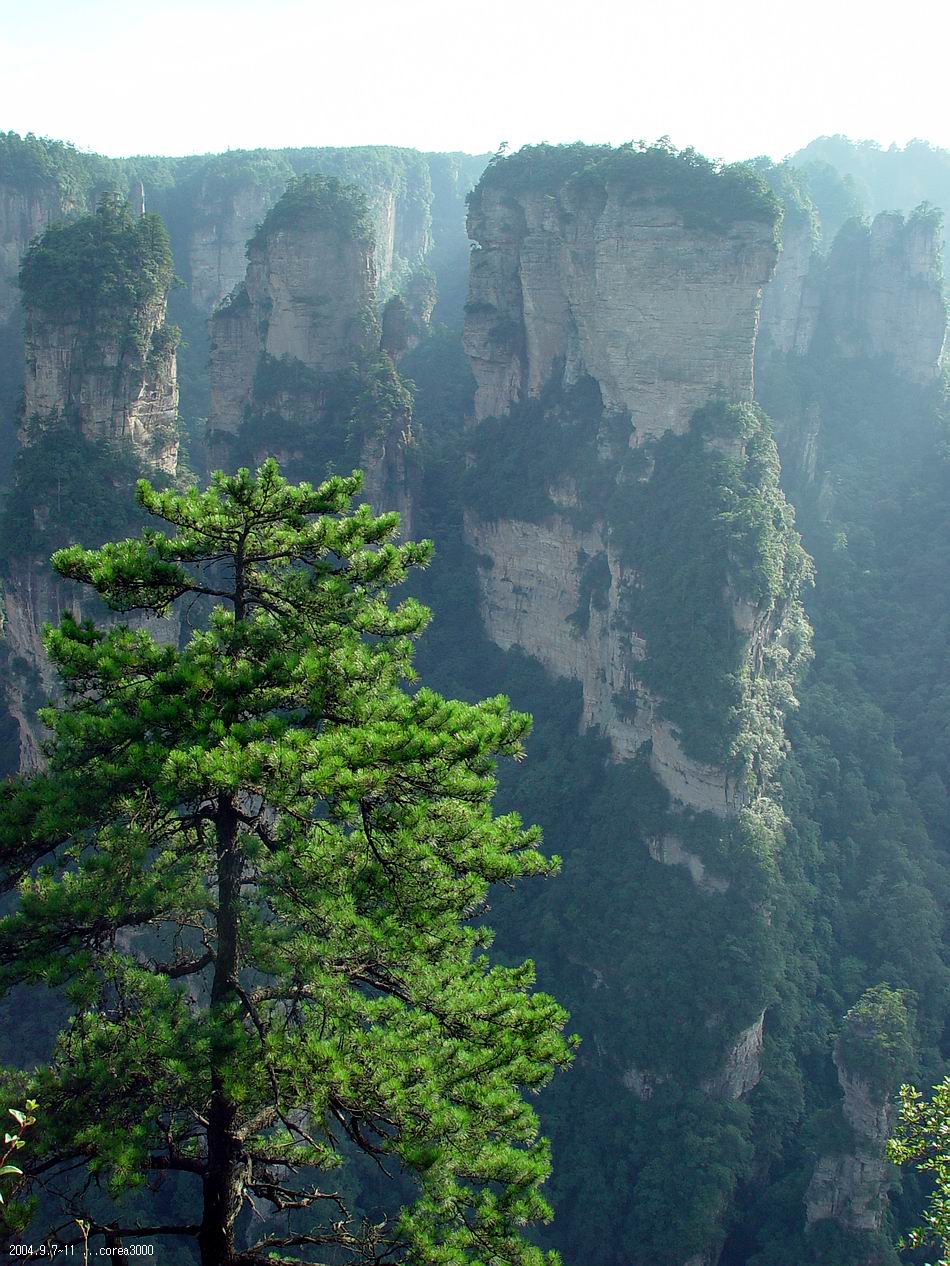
821	507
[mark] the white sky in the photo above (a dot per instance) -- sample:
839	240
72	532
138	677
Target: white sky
731	77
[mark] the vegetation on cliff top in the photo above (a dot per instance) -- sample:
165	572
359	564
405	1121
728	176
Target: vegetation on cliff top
709	195
876	1039
101	270
318	202
37	164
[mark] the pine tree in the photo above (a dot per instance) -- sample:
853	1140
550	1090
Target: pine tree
255	865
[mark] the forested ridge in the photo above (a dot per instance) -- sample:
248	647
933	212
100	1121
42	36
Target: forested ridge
746	980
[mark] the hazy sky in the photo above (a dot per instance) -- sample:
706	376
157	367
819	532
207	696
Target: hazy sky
732	77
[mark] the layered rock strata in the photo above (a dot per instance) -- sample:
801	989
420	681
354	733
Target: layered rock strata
225	215
531	586
111	388
308	295
792	300
878	295
98	353
595	280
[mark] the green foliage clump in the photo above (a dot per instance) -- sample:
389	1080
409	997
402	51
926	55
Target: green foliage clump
710	526
882	179
711	196
39	164
441	381
790	186
318	202
223	175
876	1039
921	1139
103	267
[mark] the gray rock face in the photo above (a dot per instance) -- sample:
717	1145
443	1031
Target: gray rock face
743	1066
225	218
530	579
309	295
308	300
113	391
884	294
662	315
850	1187
113	388
669	851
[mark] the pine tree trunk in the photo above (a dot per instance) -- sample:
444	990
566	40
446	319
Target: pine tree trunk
224	1178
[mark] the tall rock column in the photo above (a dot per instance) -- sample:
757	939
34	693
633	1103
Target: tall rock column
872	1054
99	354
296	366
629	532
101	401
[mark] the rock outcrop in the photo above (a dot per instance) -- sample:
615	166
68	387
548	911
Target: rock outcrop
531	577
308	296
849	1186
792	299
612	281
225	213
611	331
227	201
296	365
617	283
98	352
112	391
872	1055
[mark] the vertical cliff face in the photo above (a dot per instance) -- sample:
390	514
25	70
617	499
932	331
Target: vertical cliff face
296	366
612	276
221	206
792	299
848	1187
100	410
308	296
629	533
